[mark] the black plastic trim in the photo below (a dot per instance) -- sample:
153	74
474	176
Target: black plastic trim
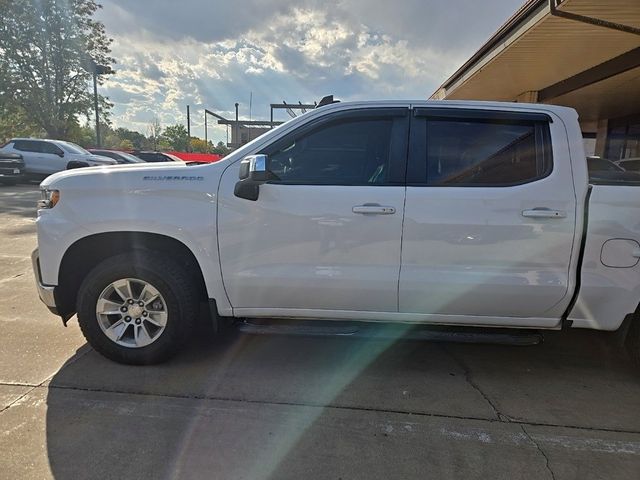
480	114
566	323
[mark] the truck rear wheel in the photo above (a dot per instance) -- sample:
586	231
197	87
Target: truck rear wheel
137	308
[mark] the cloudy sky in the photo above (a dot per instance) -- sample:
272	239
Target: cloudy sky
213	53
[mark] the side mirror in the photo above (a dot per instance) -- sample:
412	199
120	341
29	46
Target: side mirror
254	171
60	153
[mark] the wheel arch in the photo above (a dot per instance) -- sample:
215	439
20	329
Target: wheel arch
84	254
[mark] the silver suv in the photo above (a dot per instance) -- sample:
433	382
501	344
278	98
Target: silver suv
45	157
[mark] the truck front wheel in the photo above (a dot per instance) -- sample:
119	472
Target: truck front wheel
137	308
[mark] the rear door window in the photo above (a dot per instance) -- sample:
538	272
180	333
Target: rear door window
48	147
482	152
27	146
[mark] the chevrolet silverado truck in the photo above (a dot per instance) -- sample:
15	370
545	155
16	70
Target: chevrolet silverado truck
474	214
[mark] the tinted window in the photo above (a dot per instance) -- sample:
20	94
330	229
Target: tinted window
73	148
486	153
127	157
595	164
150	157
27	145
354	152
623	139
631	165
47	147
106	153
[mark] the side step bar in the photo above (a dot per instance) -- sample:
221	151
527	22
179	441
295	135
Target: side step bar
394	332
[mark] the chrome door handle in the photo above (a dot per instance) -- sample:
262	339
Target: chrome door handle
373	209
544	213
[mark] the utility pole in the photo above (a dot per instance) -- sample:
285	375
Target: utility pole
97	70
235	134
188	130
206	140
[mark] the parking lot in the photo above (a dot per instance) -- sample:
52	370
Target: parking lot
277	407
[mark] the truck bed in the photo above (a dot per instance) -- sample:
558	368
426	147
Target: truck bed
609	276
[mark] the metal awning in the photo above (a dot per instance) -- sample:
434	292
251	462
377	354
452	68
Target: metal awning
537	56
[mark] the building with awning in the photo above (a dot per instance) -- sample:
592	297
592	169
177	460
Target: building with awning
583	54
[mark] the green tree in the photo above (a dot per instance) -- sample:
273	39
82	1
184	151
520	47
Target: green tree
176	136
47	49
138	140
221	149
200	146
82	135
126	145
15	123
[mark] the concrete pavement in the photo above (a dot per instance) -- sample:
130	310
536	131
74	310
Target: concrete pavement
285	407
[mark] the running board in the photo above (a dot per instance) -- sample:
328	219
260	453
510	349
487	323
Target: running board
401	332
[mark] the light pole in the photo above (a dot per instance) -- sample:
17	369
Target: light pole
98	70
188	129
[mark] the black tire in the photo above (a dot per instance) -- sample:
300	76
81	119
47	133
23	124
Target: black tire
632	342
173	283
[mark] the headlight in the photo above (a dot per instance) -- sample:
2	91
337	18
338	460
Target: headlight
48	198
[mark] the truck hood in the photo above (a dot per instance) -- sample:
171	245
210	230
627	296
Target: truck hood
121	172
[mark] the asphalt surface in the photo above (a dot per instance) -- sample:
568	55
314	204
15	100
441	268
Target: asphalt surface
278	407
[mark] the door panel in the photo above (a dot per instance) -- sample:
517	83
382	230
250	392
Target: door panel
302	246
307	243
469	250
47	163
50	157
30	150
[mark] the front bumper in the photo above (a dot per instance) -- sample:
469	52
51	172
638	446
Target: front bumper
45	292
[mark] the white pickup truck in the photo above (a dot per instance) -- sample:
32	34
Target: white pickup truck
442	213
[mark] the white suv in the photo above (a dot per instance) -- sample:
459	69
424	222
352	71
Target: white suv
44	157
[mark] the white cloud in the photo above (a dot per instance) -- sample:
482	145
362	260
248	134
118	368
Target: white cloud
208	54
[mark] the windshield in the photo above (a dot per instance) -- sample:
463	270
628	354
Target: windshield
73	148
129	157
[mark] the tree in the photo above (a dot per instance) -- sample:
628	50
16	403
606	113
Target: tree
14	122
126	145
47	47
154	132
176	136
221	149
82	135
138	140
200	146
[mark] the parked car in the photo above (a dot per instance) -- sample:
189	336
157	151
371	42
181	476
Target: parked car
476	214
45	157
603	170
150	156
120	157
632	164
11	168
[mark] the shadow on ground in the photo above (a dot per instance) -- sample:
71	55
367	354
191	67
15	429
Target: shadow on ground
258	406
19	200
